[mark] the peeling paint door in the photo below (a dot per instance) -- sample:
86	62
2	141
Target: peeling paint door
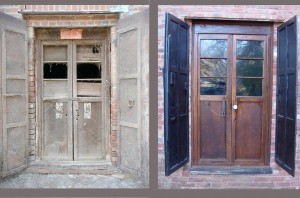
132	40
72	100
14	95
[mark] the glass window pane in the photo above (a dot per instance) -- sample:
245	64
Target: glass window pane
88	53
249	87
55	70
249	68
214	48
88	70
55	53
213	86
213	67
250	49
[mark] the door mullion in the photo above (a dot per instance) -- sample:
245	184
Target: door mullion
233	98
70	103
230	97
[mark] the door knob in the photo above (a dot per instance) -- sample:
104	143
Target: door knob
235	107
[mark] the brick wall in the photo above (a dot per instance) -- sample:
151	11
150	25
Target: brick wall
46	21
182	178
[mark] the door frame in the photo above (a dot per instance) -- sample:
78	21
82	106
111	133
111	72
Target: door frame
229	27
104	38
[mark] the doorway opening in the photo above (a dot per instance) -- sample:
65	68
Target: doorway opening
231	84
74	108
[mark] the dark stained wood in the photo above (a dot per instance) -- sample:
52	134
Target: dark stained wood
213	131
248	135
176	94
231	27
286	101
245	143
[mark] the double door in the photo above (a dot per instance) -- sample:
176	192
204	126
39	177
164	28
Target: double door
72	100
232	95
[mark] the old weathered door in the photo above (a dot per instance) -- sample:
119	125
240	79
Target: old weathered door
14	95
132	61
231	73
72	100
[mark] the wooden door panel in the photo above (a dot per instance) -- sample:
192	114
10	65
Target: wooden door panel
16	152
13	95
176	98
235	69
248	131
89	133
55	130
213	131
286	104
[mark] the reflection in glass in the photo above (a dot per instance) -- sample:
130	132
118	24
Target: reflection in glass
250	49
213	67
214	48
249	68
55	71
249	87
213	86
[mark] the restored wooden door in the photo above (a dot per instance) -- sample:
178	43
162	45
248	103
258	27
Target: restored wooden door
176	92
231	83
72	100
286	101
13	95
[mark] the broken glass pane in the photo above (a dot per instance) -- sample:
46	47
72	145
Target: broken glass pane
55	71
88	70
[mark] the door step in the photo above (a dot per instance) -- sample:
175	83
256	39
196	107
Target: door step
73	167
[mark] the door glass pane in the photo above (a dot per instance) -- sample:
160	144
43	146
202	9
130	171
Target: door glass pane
88	70
213	67
55	53
213	48
213	86
248	87
250	49
88	52
249	68
55	71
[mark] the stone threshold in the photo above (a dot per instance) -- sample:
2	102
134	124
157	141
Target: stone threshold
229	170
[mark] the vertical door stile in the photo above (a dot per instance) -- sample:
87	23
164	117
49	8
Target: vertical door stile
72	100
234	99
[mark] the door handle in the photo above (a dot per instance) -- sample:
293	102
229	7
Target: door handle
235	106
223	107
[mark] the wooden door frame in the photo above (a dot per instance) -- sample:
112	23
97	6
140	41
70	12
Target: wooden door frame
229	27
40	39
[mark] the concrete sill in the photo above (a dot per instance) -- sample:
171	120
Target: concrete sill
230	170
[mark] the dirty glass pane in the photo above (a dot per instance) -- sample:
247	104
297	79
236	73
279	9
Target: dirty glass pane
249	68
55	53
249	87
213	48
88	52
88	70
55	71
213	67
213	86
250	49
